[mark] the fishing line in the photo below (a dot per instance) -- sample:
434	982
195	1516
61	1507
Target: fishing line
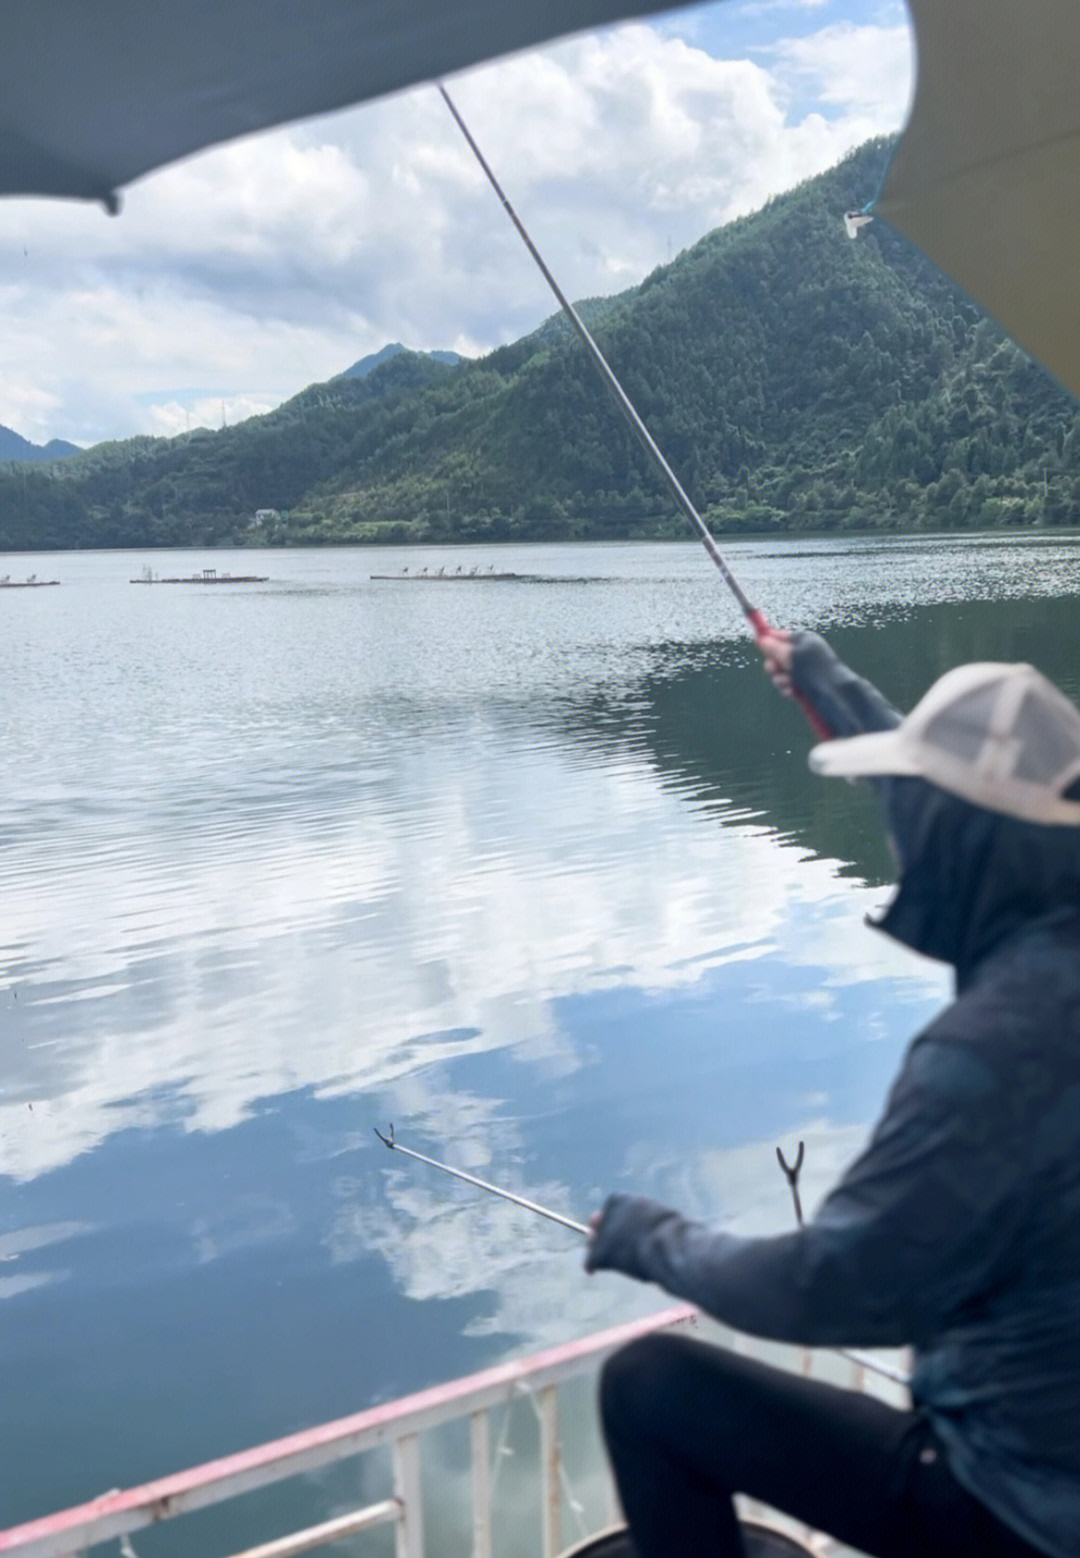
753	614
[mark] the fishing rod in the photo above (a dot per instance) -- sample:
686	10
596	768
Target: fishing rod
863	1362
754	615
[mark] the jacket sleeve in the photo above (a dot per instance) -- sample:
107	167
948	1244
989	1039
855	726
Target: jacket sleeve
913	1231
848	704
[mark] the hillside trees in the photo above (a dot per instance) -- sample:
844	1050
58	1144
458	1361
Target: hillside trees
795	381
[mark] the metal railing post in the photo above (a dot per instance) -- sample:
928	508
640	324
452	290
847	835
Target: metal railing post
480	1440
551	1490
407	1490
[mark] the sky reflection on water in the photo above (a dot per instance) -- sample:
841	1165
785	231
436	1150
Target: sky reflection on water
539	875
454	915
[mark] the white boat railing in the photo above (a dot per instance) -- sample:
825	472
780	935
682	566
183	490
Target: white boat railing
399	1425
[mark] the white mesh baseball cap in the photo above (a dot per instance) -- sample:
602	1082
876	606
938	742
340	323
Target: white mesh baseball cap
1000	736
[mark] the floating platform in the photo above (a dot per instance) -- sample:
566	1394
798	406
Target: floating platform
441	577
208	576
479	576
26	584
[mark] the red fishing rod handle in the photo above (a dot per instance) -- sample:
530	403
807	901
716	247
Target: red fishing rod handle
763	631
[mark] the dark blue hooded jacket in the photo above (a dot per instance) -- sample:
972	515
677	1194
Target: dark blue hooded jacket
957	1231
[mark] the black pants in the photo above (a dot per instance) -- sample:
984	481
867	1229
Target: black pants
687	1425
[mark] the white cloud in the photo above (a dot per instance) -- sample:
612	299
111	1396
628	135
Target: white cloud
267	264
861	70
168	419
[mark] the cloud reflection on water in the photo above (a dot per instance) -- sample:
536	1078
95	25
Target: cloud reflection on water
345	962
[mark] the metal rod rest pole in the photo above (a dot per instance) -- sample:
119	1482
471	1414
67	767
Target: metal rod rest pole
482	1184
872	1364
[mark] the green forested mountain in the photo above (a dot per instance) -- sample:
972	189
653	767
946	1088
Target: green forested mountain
366	365
796	380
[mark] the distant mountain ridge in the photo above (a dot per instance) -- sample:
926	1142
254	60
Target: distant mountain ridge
797	381
15	447
361	369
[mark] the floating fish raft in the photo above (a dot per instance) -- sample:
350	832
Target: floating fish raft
33	583
207	576
477	576
441	576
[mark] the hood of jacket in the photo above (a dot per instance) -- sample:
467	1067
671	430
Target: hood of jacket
972	878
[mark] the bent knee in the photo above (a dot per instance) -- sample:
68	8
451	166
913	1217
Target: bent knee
641	1372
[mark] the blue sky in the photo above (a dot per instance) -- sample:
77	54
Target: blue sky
754	27
235	278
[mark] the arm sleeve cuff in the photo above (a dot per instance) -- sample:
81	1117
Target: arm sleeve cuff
848	704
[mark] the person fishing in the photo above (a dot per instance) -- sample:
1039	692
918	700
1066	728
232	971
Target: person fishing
956	1232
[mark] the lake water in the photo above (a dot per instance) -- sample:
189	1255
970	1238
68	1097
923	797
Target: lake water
531	868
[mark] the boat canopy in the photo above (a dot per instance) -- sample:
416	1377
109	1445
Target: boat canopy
92	96
986	177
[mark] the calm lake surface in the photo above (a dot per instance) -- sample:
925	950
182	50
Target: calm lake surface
532	868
